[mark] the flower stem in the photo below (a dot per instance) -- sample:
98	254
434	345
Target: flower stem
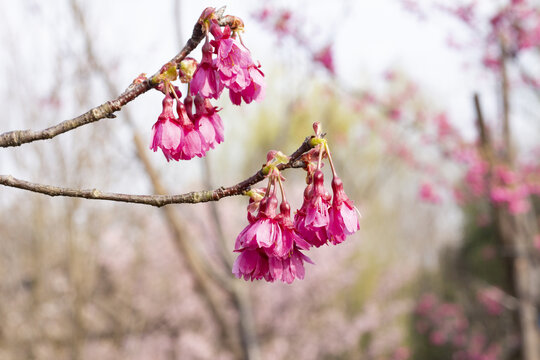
283	198
321	152
268	187
334	174
171	89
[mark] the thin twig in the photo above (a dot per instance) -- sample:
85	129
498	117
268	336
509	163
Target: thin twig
156	200
107	109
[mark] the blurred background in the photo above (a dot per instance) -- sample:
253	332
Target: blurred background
445	265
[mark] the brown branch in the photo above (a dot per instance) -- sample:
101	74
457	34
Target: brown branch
483	132
107	109
505	102
156	200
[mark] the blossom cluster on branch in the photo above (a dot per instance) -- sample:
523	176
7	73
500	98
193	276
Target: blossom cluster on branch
188	134
270	246
187	127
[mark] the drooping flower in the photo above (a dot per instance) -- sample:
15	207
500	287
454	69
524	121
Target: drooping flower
193	133
317	237
233	59
263	233
317	210
254	91
252	265
207	134
191	145
288	268
269	247
343	215
236	68
312	219
257	265
167	131
290	236
209	121
206	81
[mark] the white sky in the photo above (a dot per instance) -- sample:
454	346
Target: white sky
137	36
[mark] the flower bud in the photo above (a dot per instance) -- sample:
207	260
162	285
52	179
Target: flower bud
207	15
318	128
187	69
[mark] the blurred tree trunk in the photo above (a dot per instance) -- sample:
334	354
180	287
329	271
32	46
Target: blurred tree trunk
516	230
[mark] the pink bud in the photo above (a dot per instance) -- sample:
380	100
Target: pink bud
317	128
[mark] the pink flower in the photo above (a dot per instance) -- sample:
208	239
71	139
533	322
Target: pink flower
265	231
252	265
437	338
395	114
505	175
428	195
236	68
269	247
210	124
491	299
191	145
256	265
518	206
476	175
189	135
317	210
290	236
206	81
168	133
207	134
466	13
254	91
325	58
314	236
343	214
288	268
312	219
444	129
515	197
233	59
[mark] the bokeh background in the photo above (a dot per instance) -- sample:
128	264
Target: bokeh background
445	266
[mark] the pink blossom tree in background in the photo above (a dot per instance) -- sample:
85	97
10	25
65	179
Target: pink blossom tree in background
491	282
106	280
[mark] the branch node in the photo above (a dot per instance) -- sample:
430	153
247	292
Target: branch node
96	112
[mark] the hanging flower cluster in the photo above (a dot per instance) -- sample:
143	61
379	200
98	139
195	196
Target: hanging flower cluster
226	63
270	246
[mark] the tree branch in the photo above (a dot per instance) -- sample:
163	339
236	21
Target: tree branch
157	200
107	109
